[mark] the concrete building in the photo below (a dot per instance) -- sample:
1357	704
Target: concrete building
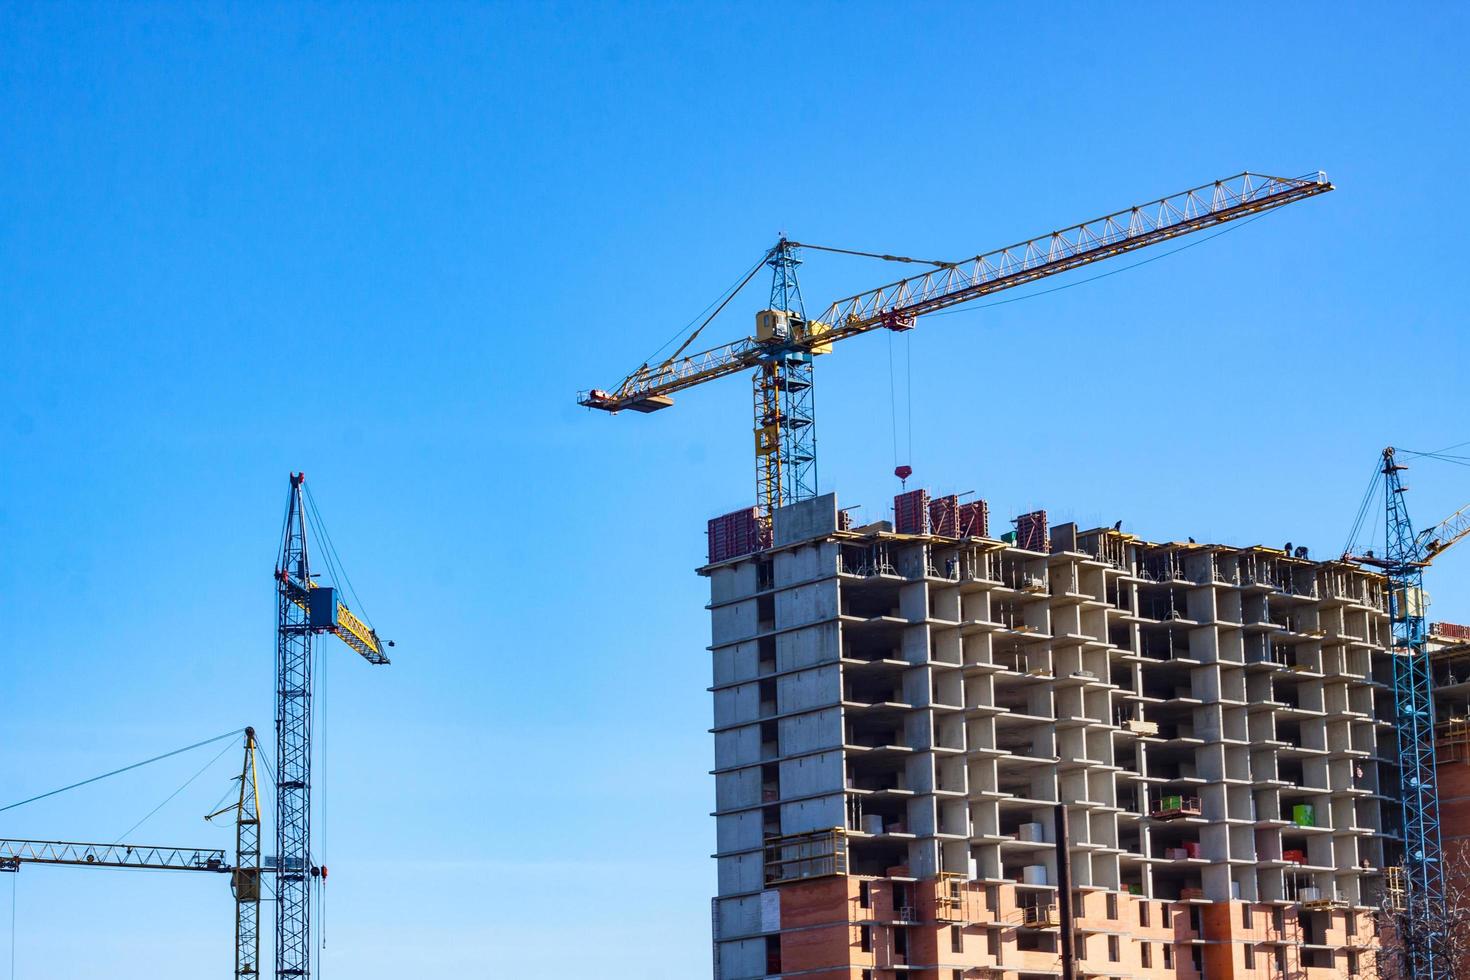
899	711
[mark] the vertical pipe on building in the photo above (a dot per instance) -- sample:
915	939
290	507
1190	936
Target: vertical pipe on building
1064	894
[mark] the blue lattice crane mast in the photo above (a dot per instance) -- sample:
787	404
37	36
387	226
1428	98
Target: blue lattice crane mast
1405	557
785	418
304	610
785	340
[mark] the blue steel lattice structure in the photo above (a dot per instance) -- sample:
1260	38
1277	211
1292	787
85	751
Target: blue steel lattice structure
1405	558
785	417
293	745
303	610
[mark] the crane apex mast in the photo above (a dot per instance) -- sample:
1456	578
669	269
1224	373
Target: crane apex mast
785	416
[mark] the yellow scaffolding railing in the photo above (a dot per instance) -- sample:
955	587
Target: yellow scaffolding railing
1454	740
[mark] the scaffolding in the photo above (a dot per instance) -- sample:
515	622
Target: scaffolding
949	898
1454	740
1393	882
816	854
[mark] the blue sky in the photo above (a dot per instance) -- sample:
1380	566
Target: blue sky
385	244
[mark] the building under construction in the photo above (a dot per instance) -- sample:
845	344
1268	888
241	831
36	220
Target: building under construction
907	712
1449	655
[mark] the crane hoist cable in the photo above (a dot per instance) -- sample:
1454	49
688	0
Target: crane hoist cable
908	384
906	470
902	470
892	402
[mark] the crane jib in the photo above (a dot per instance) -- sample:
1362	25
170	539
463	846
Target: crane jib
896	305
332	615
17	852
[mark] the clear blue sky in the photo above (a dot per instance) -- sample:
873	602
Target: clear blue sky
386	244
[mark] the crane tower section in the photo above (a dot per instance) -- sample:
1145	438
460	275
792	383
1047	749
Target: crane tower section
293	745
1414	702
303	610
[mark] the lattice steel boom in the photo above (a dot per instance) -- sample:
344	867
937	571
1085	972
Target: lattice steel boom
785	341
14	853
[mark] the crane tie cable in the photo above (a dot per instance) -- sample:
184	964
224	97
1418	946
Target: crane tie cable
1354	536
334	562
721	299
1441	454
875	255
118	772
723	303
187	783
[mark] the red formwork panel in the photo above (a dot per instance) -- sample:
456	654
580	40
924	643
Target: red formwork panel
740	532
949	518
944	517
1031	531
911	512
974	520
1451	630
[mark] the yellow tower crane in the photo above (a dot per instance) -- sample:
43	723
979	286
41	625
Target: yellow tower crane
244	873
785	341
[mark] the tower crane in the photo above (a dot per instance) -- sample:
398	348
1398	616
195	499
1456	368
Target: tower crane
785	340
1404	559
244	873
304	609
